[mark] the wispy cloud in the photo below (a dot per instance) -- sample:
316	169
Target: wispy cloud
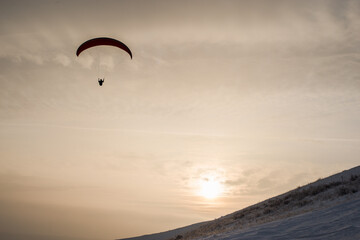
62	59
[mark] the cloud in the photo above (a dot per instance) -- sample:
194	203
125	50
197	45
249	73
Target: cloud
107	63
86	61
62	59
32	58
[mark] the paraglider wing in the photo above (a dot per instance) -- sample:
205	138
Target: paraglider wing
102	41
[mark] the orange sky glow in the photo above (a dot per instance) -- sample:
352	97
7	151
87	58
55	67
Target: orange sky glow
224	104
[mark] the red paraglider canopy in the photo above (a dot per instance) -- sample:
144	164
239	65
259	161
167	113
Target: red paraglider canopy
103	41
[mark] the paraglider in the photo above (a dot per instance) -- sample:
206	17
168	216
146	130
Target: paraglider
101	81
102	41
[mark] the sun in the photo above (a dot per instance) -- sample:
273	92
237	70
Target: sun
210	188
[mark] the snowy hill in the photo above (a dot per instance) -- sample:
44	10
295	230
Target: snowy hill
168	234
321	206
341	221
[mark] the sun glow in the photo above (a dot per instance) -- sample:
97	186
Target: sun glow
210	188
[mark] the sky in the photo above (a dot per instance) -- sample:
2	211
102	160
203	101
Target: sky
224	104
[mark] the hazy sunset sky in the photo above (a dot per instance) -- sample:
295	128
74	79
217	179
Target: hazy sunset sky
255	97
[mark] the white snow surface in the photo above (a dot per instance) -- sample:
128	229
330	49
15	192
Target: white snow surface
338	222
328	209
166	235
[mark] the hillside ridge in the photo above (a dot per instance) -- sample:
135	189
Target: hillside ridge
323	193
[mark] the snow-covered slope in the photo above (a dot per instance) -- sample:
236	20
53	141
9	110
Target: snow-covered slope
168	234
321	194
341	221
323	203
